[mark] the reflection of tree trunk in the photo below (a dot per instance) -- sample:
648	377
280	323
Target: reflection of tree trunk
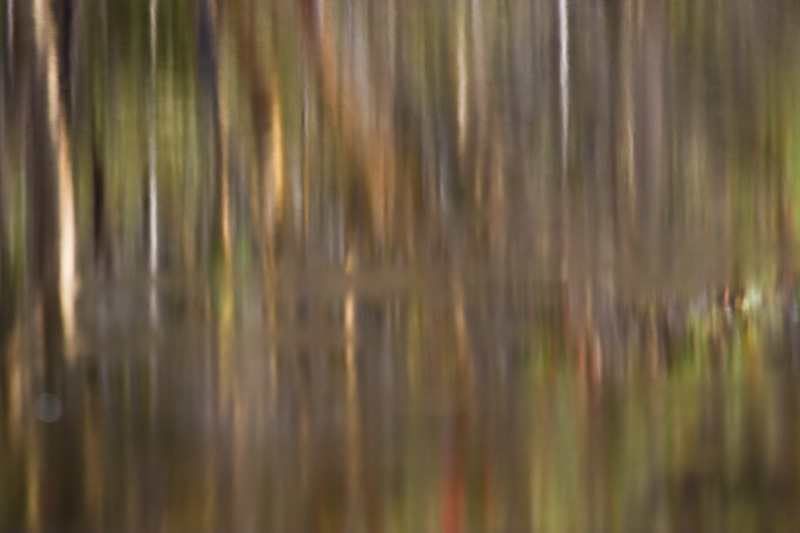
354	477
463	349
454	484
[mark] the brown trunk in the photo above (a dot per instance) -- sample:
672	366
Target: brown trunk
368	136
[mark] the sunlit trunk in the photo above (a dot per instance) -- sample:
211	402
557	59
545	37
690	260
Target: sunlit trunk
278	170
59	135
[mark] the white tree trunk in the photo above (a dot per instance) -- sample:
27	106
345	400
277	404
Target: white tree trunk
151	147
563	68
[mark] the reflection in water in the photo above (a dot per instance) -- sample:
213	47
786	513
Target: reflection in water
418	266
413	408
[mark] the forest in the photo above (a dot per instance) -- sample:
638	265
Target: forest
358	265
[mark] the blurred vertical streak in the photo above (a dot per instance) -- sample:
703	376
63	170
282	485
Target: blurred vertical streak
454	496
152	219
102	243
480	41
152	191
628	152
651	114
8	285
224	145
5	174
306	153
258	90
274	163
9	67
52	464
46	44
355	454
63	26
563	75
230	399
151	146
102	216
462	78
367	134
350	324
278	178
463	354
7	289
269	298
33	490
4	253
214	105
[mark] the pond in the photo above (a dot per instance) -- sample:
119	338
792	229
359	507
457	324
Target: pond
384	401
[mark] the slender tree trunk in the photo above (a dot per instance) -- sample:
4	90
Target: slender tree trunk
152	190
563	79
213	106
46	44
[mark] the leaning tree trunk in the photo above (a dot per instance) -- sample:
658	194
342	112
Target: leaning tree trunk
57	139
